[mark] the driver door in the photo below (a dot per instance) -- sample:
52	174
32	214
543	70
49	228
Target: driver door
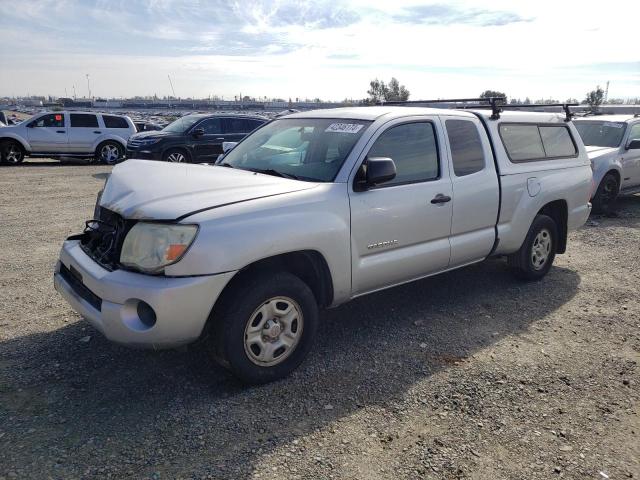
47	134
207	147
400	229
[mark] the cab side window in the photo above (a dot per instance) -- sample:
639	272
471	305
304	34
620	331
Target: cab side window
466	147
414	150
55	120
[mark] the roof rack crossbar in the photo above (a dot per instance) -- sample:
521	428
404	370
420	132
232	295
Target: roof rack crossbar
565	106
495	103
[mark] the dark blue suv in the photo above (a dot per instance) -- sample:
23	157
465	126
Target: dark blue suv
192	138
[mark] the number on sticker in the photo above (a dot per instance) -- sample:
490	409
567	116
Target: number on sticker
344	128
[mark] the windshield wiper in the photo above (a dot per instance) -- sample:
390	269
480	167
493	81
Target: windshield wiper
225	164
275	173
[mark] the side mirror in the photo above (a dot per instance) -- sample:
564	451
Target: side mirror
634	144
226	146
374	171
197	132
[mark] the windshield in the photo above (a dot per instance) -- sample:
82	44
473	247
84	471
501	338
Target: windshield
304	148
181	125
600	134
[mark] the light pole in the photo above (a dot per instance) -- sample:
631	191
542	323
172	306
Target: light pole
88	86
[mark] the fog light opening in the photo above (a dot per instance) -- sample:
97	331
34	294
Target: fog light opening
146	314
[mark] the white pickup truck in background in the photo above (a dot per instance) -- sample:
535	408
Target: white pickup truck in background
312	210
613	145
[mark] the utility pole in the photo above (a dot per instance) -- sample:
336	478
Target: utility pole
88	86
74	93
606	93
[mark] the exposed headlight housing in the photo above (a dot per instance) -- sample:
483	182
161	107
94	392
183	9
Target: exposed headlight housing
150	246
147	142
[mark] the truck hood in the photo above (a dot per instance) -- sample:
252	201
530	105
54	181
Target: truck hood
595	152
143	189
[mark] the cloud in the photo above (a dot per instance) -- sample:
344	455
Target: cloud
441	14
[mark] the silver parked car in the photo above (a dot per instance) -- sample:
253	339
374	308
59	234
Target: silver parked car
99	136
613	145
312	210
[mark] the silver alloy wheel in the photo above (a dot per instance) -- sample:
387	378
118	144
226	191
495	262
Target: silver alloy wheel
541	249
14	154
109	153
176	157
273	331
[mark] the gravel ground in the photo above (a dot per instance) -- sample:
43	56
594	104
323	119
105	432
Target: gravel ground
471	374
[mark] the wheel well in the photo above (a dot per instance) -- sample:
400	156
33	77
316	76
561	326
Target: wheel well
558	211
110	140
617	175
9	139
308	265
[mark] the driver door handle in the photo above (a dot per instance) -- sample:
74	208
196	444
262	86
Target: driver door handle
440	198
97	131
61	131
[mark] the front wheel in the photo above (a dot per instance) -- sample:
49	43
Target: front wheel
536	255
264	327
109	153
606	195
11	153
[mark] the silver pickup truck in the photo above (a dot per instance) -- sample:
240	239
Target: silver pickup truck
312	210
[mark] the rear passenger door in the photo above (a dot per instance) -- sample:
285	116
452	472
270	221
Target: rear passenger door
83	132
475	190
400	229
238	128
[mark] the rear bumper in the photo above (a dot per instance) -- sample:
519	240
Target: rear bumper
110	300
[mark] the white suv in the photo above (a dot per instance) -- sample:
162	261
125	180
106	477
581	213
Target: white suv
100	136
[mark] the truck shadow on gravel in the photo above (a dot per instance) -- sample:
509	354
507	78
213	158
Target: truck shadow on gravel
73	404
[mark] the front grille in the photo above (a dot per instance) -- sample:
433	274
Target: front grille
80	288
134	144
103	237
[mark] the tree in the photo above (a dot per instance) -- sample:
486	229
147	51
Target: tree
394	92
493	93
595	98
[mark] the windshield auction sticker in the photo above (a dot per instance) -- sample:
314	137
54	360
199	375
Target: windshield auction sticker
344	128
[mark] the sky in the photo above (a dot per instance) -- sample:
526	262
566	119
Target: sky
328	49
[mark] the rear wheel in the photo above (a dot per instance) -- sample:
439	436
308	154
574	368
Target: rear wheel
536	255
264	326
605	198
109	152
175	155
11	152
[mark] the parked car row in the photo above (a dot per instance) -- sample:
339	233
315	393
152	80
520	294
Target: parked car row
108	138
310	211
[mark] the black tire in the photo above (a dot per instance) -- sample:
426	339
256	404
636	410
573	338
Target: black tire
11	152
109	153
605	198
526	262
176	155
237	309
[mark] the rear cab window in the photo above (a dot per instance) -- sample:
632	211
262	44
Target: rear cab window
537	142
84	120
111	121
